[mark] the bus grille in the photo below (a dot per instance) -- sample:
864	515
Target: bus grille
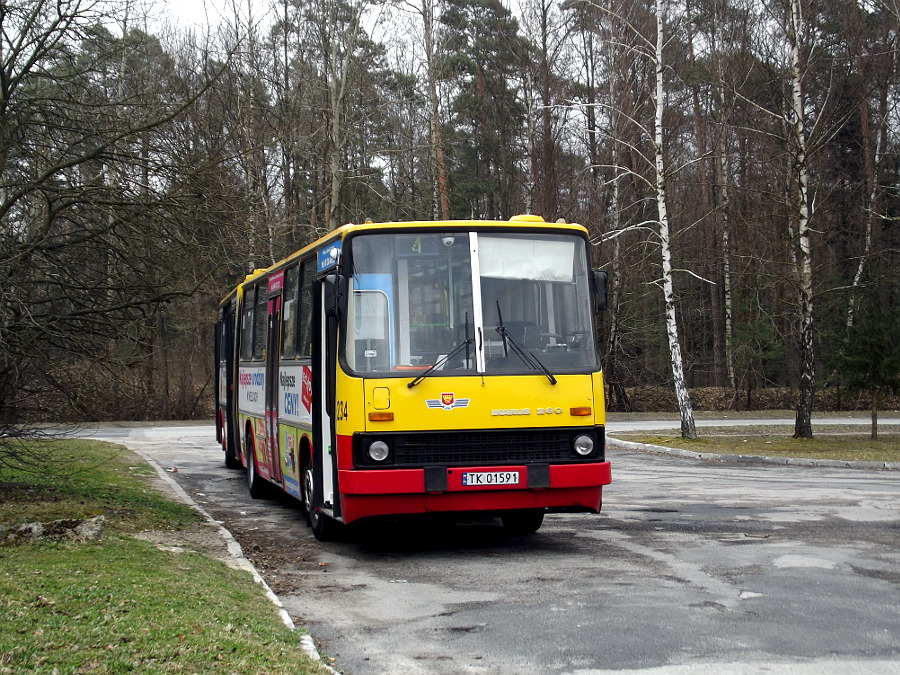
482	447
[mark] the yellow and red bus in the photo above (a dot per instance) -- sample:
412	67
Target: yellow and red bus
419	367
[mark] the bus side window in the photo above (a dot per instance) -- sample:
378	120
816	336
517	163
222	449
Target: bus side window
247	324
290	314
305	329
260	324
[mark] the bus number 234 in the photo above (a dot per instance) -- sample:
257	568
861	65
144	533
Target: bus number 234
340	412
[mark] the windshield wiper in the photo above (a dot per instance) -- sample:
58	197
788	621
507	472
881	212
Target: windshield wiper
520	350
440	362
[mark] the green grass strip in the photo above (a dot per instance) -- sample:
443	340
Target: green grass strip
836	446
122	605
52	480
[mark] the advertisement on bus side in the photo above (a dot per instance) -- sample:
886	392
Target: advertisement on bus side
295	395
252	390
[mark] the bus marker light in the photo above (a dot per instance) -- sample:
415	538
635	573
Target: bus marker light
381	416
583	411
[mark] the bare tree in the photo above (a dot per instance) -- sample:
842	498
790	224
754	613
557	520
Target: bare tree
437	136
803	233
883	60
550	29
429	12
79	266
688	428
652	50
341	32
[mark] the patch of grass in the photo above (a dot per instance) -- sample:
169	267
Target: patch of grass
122	605
768	414
125	606
51	480
847	447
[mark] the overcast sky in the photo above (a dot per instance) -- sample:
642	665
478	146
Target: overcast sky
193	12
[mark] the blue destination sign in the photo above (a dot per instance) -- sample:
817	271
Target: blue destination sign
329	256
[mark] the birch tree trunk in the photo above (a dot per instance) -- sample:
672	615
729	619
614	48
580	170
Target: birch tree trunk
688	427
803	422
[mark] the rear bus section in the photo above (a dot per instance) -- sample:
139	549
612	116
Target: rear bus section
225	373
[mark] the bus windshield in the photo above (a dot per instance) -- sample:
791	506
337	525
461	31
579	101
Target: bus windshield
468	302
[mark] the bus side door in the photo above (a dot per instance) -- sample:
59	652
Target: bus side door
273	354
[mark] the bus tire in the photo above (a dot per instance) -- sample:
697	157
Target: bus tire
525	521
255	483
307	490
323	527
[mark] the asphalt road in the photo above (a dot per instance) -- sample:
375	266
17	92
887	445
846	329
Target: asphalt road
692	567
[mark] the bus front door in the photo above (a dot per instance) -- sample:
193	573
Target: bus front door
325	506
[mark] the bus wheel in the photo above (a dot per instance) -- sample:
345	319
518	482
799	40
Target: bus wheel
323	527
255	483
307	491
526	521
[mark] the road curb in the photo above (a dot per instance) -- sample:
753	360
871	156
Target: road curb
237	558
750	459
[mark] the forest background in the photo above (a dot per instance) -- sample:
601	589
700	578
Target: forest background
735	161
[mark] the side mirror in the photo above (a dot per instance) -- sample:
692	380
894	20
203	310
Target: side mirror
601	279
335	292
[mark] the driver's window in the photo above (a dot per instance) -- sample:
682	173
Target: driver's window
371	331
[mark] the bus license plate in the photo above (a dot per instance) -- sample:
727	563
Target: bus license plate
471	478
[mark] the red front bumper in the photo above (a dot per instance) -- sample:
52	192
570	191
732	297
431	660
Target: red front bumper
402	491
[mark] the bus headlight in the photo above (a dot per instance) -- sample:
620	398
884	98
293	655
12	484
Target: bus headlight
584	445
378	451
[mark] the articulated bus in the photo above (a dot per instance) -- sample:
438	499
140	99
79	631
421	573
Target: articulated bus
419	368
